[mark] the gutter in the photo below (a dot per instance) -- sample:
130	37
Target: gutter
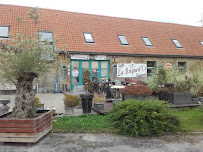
131	54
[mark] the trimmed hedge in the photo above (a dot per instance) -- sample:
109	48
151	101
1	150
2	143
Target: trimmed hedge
143	118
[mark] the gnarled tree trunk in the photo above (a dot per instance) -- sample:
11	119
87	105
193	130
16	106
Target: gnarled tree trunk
25	96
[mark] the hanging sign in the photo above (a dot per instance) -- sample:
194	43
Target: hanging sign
100	57
75	73
168	66
131	70
80	57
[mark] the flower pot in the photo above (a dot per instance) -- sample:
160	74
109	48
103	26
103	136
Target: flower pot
99	106
69	110
41	107
180	98
115	101
163	95
28	130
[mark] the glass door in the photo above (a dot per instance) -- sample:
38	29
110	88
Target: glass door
99	70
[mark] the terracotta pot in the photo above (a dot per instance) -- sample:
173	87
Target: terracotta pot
28	130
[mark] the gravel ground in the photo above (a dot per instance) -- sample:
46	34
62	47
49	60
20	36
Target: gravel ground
109	143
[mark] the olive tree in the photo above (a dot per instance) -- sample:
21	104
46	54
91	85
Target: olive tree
22	62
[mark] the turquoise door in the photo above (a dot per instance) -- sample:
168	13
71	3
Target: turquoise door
100	71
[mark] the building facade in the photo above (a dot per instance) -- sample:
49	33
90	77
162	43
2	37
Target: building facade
99	43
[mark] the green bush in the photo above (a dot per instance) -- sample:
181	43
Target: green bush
143	118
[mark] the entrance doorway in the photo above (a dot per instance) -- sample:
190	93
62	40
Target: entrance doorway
100	71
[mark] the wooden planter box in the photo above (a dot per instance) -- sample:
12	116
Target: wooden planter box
25	130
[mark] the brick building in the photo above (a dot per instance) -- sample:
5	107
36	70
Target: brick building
100	42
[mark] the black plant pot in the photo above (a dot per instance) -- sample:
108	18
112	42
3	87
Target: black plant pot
163	95
86	103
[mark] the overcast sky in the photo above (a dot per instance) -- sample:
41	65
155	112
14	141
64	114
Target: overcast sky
174	11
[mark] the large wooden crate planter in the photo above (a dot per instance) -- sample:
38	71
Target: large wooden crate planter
25	130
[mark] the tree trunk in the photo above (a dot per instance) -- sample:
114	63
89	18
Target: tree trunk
25	96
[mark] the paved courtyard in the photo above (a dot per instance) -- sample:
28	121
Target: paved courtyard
109	143
50	100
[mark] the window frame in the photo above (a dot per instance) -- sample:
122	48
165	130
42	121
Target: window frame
91	42
182	68
180	47
153	68
145	37
121	41
51	42
5	37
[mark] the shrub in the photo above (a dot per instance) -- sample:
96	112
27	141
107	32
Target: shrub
138	89
143	118
71	100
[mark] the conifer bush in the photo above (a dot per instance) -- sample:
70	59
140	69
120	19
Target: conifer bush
143	118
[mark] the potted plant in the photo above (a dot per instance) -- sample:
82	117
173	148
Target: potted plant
70	101
138	91
181	91
88	87
20	64
99	100
38	105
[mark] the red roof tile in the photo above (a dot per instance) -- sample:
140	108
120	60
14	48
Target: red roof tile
68	28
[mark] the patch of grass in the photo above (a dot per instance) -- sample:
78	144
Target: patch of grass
191	119
82	124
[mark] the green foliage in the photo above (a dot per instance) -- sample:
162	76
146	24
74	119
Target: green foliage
82	124
87	82
183	82
191	119
71	100
33	14
143	118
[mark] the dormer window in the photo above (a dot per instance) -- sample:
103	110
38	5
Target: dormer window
88	37
177	44
4	31
147	41
46	36
123	40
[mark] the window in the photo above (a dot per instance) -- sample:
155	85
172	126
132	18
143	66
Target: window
123	40
182	66
147	41
201	42
88	37
46	39
4	31
46	36
151	65
177	44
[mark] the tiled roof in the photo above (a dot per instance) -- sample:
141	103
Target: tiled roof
68	28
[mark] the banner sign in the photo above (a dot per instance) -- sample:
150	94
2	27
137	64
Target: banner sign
100	57
131	70
80	57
